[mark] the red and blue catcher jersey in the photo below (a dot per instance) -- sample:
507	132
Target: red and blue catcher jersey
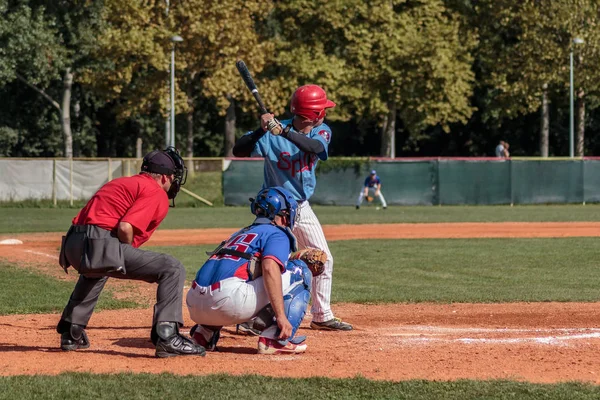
264	240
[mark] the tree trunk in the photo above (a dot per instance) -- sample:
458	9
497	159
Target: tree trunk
190	122
388	132
579	146
545	123
65	115
230	127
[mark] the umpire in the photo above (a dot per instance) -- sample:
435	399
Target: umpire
103	242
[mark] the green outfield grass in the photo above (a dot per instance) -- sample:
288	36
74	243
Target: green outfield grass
163	386
25	292
453	270
16	220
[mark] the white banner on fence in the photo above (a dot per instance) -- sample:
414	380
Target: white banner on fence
55	179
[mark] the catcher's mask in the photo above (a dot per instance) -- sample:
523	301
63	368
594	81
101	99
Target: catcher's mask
273	201
167	162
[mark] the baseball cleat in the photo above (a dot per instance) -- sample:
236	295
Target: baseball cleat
198	338
74	339
171	344
335	324
246	329
272	346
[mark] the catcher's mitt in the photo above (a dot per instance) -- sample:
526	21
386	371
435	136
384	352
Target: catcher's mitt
314	258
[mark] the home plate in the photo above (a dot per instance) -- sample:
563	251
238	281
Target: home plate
11	241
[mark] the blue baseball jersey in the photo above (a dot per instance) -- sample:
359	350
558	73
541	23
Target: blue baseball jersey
371	182
263	240
288	166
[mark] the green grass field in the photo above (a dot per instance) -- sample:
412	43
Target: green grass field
25	292
366	271
452	270
215	387
17	220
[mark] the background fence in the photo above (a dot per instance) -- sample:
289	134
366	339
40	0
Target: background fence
436	181
73	179
422	181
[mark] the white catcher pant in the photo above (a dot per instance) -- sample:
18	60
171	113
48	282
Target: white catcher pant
235	302
372	191
309	233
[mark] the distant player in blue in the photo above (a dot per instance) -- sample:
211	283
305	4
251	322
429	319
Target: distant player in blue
291	150
249	277
372	186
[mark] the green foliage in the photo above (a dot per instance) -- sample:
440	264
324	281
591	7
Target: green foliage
359	165
25	292
526	44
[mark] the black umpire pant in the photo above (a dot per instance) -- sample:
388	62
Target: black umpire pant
88	245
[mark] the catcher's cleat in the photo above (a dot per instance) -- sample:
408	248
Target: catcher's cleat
246	329
74	338
335	324
170	343
272	346
198	338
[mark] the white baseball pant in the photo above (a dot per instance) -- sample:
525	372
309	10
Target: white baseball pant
232	301
309	233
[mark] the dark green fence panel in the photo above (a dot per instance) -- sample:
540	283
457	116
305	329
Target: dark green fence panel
407	182
242	179
338	186
402	183
591	181
547	182
474	182
430	182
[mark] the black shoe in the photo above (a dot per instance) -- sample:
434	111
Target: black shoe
335	324
357	207
385	208
75	338
170	343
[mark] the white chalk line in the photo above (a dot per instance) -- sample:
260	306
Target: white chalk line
422	335
39	253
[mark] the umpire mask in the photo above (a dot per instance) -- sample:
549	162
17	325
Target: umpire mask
167	162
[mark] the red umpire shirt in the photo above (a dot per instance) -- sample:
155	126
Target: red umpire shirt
137	199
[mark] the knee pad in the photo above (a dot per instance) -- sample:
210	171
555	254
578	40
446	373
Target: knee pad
295	303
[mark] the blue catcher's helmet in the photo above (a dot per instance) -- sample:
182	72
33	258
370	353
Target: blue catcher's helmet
273	201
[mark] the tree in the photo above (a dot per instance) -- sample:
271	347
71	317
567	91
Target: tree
44	41
217	33
380	59
525	45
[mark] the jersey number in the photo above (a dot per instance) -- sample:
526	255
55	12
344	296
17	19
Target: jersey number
239	243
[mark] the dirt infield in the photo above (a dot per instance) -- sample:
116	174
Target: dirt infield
537	342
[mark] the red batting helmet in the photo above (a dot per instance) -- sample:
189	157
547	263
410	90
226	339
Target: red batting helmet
310	101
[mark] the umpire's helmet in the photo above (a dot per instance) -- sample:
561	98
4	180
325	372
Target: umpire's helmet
310	101
167	162
273	201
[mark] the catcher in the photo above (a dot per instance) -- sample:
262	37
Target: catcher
251	276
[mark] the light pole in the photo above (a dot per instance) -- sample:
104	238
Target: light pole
571	106
174	40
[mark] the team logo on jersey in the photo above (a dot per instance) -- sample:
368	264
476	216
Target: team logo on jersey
325	135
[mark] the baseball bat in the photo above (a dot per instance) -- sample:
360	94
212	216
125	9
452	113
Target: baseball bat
243	70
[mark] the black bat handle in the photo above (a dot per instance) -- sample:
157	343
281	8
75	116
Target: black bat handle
245	73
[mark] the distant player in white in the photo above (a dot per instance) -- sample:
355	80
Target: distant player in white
290	161
372	186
